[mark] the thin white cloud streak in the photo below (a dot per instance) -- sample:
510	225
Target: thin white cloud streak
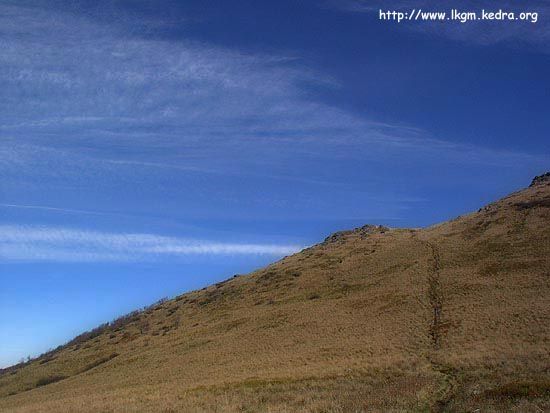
55	209
58	244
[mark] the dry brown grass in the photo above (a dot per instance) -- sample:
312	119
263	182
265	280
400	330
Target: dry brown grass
455	317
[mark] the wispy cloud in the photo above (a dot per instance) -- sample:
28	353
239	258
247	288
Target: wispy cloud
180	103
102	114
39	243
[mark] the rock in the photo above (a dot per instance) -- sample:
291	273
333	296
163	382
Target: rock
362	232
541	179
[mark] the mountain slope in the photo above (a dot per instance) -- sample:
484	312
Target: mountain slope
455	317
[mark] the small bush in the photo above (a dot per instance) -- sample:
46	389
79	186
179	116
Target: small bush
516	390
99	362
44	381
47	360
540	203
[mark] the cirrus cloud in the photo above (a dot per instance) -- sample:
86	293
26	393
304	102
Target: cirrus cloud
59	244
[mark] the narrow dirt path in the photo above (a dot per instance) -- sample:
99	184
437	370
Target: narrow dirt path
436	330
435	296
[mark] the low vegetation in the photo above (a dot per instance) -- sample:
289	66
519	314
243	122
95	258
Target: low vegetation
44	381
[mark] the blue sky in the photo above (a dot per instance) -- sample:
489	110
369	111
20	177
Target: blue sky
148	148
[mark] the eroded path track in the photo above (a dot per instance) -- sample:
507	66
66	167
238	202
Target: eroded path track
436	330
435	296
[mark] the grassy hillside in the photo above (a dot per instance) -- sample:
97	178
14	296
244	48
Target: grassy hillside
455	317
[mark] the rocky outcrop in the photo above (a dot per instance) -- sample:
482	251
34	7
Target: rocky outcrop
541	179
362	232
